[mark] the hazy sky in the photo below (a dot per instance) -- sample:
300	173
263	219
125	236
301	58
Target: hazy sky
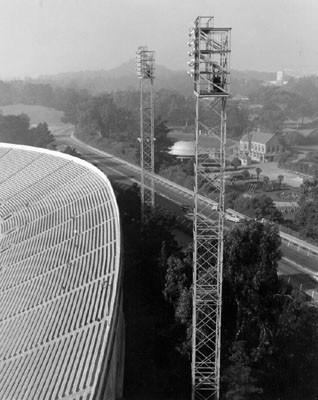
51	36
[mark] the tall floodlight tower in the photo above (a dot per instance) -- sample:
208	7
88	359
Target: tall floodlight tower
210	67
145	66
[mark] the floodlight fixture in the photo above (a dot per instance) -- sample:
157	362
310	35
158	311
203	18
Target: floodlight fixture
210	48
145	63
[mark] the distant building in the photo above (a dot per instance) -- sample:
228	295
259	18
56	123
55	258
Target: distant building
261	146
279	80
279	77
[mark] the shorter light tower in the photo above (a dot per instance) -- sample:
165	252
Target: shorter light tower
210	68
145	67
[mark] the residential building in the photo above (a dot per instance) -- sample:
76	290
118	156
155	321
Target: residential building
261	146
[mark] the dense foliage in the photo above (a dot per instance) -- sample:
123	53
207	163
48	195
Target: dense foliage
72	152
86	110
306	217
100	115
16	129
65	99
181	173
257	207
269	334
153	367
308	164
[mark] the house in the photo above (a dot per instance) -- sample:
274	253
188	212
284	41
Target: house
261	146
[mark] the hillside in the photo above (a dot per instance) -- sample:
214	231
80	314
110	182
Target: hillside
124	77
120	78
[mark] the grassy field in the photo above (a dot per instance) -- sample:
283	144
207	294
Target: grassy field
37	114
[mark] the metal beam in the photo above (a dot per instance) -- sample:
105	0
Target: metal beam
211	50
145	67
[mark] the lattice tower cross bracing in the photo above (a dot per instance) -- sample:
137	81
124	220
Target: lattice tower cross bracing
210	68
145	65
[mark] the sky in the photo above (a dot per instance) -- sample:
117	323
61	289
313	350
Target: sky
40	37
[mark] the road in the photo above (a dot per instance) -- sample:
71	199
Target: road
296	266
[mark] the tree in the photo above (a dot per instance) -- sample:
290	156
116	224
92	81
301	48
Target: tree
295	356
230	199
258	171
72	152
306	217
238	375
250	264
41	136
258	207
100	115
237	121
269	335
246	174
266	182
163	143
272	327
150	328
272	116
236	162
178	174
16	129
280	180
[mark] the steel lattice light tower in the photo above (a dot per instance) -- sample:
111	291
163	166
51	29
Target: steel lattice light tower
210	68
145	66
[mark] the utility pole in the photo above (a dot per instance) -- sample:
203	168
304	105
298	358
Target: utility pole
210	68
145	66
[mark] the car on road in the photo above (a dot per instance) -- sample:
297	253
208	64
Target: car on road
232	218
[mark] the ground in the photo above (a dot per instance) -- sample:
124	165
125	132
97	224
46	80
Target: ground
271	170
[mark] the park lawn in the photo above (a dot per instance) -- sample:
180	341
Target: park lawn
283	195
37	114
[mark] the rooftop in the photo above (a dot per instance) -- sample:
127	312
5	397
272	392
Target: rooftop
258	137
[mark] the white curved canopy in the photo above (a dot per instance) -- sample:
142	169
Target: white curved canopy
59	274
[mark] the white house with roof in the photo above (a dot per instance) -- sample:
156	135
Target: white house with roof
261	146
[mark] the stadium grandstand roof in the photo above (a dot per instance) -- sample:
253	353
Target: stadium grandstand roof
59	275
